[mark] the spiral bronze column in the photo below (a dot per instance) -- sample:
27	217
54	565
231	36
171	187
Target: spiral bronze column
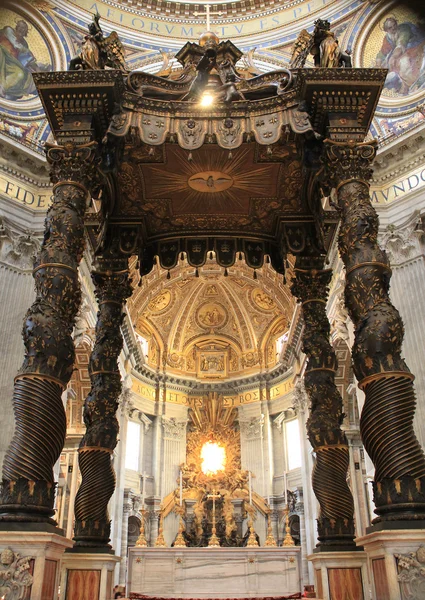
92	524
335	522
28	486
387	418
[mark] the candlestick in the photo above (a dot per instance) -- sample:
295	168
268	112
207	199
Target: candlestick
214	542
250	487
180	541
270	540
252	539
141	541
181	487
285	488
288	541
160	540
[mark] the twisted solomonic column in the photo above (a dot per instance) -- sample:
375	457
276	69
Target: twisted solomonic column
335	522
92	525
387	419
28	486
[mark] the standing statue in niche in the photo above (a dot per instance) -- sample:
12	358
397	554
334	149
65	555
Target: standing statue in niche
98	52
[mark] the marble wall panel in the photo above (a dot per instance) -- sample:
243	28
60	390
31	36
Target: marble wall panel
345	584
83	585
380	579
48	590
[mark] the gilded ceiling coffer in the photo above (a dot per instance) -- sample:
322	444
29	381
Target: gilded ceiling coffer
336	518
112	288
28	486
387	418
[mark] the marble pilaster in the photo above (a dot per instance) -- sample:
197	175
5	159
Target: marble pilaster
405	247
76	569
388	555
17	251
340	575
44	552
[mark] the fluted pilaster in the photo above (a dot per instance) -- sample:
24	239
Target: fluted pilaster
28	487
387	418
335	522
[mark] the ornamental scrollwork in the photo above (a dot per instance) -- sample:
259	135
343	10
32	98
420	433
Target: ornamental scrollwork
15	576
411	574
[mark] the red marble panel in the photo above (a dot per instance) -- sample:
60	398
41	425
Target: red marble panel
83	585
109	582
48	590
345	584
27	593
380	579
319	583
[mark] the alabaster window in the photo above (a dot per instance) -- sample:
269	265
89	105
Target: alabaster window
132	451
280	343
144	345
293	444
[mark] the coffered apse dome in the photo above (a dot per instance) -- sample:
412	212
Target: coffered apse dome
210	326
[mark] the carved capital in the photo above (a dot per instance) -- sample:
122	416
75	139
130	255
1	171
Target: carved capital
299	399
112	286
405	243
174	429
311	284
74	163
17	249
348	161
251	428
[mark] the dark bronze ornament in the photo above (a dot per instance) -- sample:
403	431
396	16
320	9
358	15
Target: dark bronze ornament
28	482
112	288
387	417
335	523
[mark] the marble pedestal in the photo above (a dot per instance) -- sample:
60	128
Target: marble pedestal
214	572
340	575
39	575
88	576
381	548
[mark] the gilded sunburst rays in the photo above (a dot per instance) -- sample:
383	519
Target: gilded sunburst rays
211	182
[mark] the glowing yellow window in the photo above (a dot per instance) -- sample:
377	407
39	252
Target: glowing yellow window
213	458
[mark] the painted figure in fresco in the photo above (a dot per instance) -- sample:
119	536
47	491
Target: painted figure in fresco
402	53
17	63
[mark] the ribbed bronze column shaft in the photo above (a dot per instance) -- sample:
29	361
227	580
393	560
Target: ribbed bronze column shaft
336	518
28	487
92	524
387	418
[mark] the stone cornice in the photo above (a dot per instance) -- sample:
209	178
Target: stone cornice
400	157
23	164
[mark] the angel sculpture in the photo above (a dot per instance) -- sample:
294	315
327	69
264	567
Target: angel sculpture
323	45
98	52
